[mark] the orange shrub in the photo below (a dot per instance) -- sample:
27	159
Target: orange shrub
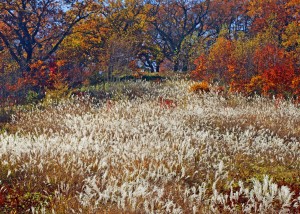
200	87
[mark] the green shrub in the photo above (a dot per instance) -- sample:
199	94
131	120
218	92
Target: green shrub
32	97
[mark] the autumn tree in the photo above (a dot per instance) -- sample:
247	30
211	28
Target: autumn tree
81	52
126	22
230	14
172	23
218	64
274	14
33	30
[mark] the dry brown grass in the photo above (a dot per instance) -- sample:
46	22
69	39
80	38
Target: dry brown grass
77	157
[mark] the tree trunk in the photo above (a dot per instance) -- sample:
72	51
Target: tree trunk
185	65
157	67
151	67
176	65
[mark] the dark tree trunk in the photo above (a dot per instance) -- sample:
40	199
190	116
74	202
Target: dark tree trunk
157	67
185	65
176	65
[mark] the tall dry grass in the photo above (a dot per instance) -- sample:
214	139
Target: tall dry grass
209	153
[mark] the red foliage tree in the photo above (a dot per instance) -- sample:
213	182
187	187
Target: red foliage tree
276	69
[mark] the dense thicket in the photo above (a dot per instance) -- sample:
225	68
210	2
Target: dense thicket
248	45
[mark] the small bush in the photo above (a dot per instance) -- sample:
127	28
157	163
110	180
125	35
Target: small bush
200	87
60	92
32	97
5	115
5	118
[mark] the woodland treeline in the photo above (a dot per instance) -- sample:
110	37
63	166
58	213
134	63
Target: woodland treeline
251	46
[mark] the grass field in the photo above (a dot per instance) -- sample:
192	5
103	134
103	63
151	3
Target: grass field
153	148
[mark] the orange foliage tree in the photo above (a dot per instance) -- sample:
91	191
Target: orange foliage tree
264	58
275	68
249	66
218	64
32	31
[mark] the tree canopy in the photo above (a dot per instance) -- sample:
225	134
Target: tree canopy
210	39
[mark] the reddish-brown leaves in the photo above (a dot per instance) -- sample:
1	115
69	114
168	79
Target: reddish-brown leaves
167	103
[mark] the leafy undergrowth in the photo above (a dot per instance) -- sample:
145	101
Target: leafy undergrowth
166	151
